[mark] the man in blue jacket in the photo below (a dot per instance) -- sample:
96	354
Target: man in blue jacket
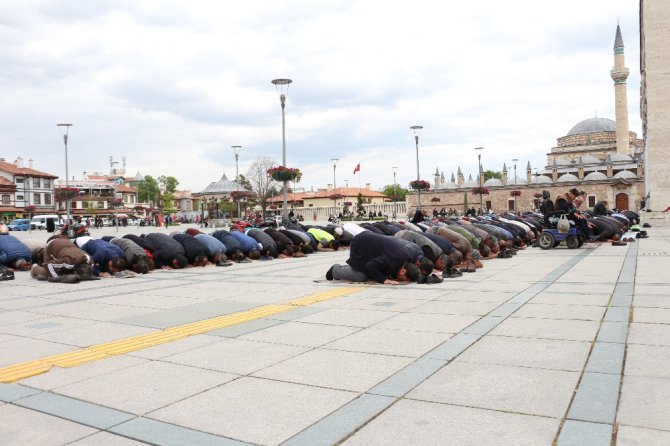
108	259
14	254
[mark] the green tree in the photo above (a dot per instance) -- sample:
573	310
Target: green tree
488	174
359	204
148	190
394	190
168	184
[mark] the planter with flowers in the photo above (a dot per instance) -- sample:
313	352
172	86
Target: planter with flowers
537	195
435	200
66	193
283	173
419	185
335	196
515	193
480	190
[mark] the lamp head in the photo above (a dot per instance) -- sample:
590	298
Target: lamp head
282	88
236	149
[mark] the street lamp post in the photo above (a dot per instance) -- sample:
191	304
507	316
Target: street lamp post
416	129
279	85
237	149
65	129
515	160
395	193
334	160
481	186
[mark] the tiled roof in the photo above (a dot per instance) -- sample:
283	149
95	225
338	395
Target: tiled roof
11	168
121	188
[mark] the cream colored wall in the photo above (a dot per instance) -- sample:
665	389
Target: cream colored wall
656	61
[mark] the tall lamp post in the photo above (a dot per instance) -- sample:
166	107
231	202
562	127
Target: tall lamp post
334	160
416	129
481	186
65	129
279	85
237	149
515	160
395	193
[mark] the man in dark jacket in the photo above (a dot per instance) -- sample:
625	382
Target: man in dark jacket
268	245
233	247
167	252
377	257
285	246
195	251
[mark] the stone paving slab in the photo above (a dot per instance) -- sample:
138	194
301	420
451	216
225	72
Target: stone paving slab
527	350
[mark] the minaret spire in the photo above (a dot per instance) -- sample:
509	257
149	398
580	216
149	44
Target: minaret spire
619	75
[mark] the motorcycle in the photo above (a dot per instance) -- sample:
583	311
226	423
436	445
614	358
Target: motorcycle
74	230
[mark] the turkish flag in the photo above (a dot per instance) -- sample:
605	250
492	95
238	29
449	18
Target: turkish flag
358	168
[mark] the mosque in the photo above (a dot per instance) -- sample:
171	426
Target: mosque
597	155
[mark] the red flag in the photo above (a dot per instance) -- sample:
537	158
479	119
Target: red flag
358	168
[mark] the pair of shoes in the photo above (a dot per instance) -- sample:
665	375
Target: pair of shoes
469	268
329	273
7	275
452	273
618	243
504	255
433	279
646	225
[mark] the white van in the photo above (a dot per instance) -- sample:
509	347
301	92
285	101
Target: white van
40	221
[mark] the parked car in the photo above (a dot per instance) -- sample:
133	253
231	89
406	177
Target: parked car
19	224
40	221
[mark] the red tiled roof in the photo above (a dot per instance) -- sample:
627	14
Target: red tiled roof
11	168
129	189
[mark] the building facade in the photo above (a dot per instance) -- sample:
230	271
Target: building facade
23	187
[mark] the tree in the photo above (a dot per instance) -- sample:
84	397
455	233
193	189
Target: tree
488	174
168	184
394	190
359	204
148	190
261	183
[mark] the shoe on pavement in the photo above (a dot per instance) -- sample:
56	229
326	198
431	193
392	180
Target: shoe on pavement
618	243
329	273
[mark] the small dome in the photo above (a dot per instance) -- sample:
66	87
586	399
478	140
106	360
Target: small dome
593	125
567	178
223	186
620	157
470	183
541	179
595	176
447	185
589	159
519	181
626	174
562	162
493	182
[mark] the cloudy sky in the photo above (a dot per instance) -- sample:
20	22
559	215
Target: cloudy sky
171	84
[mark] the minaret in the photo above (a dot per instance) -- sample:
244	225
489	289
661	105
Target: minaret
619	75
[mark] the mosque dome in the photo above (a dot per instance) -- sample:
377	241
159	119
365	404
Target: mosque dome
493	182
620	157
470	183
567	178
626	175
595	176
447	185
562	162
519	181
541	179
590	159
593	125
223	186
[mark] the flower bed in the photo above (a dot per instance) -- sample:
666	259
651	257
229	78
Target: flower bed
283	173
335	196
515	193
435	199
480	190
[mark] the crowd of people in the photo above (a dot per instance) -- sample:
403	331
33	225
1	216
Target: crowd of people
421	249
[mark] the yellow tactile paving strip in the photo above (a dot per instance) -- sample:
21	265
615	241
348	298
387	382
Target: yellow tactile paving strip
97	352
